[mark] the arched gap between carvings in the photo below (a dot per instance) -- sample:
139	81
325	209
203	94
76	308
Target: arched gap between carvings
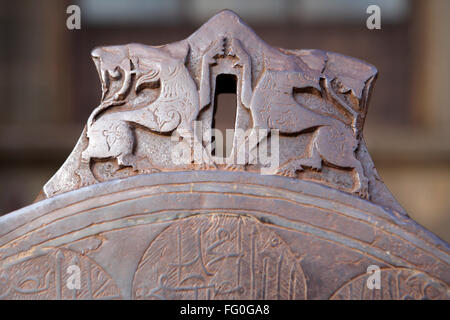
225	106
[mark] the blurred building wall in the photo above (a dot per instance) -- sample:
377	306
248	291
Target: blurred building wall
50	86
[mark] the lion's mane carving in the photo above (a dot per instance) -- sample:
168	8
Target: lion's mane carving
110	132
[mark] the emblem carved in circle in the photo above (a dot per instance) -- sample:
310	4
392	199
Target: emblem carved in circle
219	257
46	277
396	284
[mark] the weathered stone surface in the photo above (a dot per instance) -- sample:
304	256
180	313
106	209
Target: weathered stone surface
317	101
235	231
139	224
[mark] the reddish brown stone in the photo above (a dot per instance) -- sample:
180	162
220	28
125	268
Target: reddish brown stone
137	224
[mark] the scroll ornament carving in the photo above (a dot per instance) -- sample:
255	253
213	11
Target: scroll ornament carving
228	257
396	284
46	277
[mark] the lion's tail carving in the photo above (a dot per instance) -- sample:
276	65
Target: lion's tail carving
165	120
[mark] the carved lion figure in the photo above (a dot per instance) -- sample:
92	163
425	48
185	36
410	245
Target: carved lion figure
110	130
272	106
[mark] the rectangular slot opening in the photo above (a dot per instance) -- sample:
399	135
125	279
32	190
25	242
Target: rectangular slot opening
224	116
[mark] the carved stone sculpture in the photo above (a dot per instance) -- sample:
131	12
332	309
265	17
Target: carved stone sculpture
145	209
316	100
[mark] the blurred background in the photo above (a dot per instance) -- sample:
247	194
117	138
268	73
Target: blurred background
49	85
